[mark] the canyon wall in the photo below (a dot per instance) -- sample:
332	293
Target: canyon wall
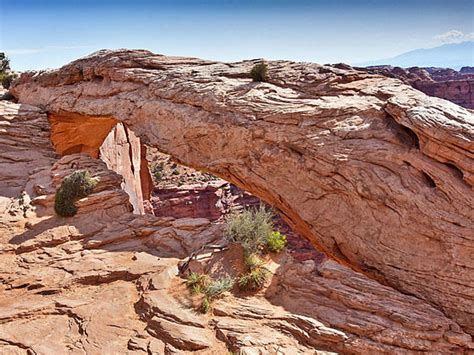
370	170
449	84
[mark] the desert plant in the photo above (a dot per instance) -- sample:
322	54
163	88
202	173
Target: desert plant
197	282
212	289
75	186
205	306
6	76
259	72
4	62
217	287
276	241
254	279
250	228
253	261
157	171
5	80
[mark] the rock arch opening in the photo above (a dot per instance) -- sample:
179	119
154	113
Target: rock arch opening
183	192
111	141
156	182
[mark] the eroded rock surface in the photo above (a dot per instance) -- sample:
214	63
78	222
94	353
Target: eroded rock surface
105	281
374	172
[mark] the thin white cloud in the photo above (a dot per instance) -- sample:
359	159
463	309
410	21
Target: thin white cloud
23	51
454	36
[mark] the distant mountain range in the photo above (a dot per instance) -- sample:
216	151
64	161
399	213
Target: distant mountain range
453	56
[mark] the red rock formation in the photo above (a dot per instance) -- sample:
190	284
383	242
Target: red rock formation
104	281
374	172
449	84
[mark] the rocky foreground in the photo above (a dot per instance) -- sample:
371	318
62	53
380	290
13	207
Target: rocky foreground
374	172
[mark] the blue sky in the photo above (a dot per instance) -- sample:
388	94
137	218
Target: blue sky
40	34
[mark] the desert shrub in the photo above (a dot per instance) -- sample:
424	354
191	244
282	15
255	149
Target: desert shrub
217	287
259	72
250	228
75	186
157	171
197	282
6	79
253	261
205	306
254	280
212	289
276	241
6	76
4	62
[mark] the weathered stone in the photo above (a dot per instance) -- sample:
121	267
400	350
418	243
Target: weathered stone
374	172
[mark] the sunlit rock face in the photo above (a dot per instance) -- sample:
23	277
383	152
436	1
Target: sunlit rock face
372	171
123	153
105	138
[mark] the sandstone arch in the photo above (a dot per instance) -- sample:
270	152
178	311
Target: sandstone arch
365	167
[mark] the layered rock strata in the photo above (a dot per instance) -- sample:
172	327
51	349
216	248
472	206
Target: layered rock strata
449	84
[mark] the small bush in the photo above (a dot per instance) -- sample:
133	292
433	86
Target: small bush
253	261
197	282
254	280
212	289
205	306
75	186
157	171
6	79
250	228
259	72
276	241
217	287
6	76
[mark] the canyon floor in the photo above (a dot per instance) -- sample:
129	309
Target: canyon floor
107	280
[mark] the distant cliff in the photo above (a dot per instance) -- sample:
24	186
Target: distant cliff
449	84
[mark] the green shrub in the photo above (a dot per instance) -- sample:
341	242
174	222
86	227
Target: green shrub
157	171
254	280
6	79
259	72
205	306
217	287
75	186
197	282
276	241
212	289
250	228
253	261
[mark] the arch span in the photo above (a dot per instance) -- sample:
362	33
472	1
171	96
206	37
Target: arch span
359	164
